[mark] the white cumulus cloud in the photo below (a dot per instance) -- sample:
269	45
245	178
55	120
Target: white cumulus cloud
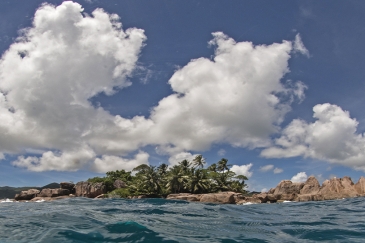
50	73
300	177
108	163
243	170
278	170
266	168
332	138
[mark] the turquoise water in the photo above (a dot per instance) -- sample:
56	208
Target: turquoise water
159	220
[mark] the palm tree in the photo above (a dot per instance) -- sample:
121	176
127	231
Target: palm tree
199	181
162	169
199	161
185	165
222	165
213	167
148	180
176	179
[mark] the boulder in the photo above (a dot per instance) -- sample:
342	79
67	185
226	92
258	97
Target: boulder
311	186
185	196
360	186
221	197
53	192
68	185
88	189
119	184
263	197
27	195
288	187
337	188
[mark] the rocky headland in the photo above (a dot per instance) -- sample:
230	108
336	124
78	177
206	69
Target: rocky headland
286	190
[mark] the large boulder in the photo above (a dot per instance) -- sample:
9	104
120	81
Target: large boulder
311	186
88	189
185	196
27	195
119	184
288	187
221	197
53	192
337	188
68	185
360	186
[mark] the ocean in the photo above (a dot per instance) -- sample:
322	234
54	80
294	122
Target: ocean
160	220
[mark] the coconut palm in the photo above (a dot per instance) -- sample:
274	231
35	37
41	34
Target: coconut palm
223	165
198	161
176	179
213	167
199	181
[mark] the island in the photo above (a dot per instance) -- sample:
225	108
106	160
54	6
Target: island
189	180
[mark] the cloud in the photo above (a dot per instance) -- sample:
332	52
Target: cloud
221	152
243	170
278	171
263	190
299	46
242	83
50	73
66	160
332	138
108	163
266	168
47	78
176	158
300	177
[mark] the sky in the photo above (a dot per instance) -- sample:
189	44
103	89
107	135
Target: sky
91	86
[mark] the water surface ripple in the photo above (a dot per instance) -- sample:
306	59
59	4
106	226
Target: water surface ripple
159	220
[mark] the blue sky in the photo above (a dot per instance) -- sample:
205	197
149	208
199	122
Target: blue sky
274	87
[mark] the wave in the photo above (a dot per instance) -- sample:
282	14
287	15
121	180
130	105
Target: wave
158	220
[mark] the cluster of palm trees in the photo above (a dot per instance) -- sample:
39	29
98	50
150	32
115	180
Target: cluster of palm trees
185	177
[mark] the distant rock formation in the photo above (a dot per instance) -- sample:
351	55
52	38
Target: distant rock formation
88	189
26	195
119	184
286	190
69	186
335	188
54	192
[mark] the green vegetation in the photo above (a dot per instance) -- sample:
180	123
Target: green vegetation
186	177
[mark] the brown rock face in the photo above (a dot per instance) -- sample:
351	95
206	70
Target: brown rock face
119	184
185	196
27	195
222	197
68	185
360	186
288	187
54	192
337	188
91	190
311	186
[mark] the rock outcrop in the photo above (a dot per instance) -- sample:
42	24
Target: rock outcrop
220	197
360	186
119	184
26	195
69	186
90	190
53	192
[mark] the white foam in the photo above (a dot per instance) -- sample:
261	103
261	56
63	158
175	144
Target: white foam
42	200
287	201
6	201
247	203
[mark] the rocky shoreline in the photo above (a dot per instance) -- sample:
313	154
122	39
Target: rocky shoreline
286	190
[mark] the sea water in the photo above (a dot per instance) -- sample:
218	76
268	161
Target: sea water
160	220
